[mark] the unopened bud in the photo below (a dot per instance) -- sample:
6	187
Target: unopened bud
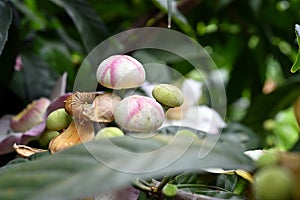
139	114
121	72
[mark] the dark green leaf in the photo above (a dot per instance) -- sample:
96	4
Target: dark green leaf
88	24
104	165
296	147
13	163
226	181
240	134
39	155
266	106
5	21
35	80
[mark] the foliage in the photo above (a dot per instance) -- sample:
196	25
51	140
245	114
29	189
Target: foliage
254	42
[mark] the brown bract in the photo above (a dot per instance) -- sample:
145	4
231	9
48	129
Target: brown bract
92	106
76	103
102	108
77	132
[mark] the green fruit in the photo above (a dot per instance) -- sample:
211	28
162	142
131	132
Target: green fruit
168	95
273	182
269	158
170	190
46	137
109	132
58	120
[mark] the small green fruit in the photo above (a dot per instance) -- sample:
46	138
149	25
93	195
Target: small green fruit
168	95
46	137
170	190
269	158
58	120
109	132
273	182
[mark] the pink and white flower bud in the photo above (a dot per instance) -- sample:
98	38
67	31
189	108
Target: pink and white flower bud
139	114
121	72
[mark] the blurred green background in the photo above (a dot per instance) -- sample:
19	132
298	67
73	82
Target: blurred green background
253	41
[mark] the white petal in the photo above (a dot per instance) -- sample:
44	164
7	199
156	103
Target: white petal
254	154
204	118
192	91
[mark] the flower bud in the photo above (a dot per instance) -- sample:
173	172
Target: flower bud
58	119
109	132
120	72
168	95
31	116
139	114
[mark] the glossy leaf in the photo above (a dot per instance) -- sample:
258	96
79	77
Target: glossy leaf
37	79
99	166
5	21
87	22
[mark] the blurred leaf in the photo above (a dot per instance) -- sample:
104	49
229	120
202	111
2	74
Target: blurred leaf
60	87
88	169
5	21
226	181
240	134
32	14
296	65
58	57
172	130
296	147
286	129
35	80
267	106
87	22
154	67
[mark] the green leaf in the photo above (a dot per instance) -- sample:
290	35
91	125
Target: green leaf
5	21
296	65
31	12
88	24
267	106
106	165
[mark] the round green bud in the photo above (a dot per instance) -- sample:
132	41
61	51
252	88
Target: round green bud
58	120
46	137
168	95
109	132
273	182
269	158
170	190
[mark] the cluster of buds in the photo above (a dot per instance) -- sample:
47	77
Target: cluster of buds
74	122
